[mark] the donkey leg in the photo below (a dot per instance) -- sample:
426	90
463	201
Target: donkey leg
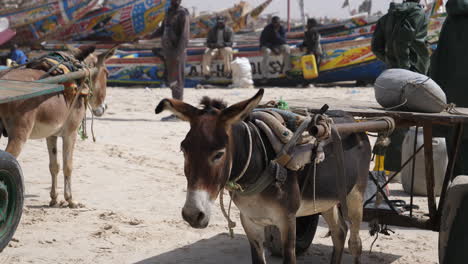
355	212
19	131
338	231
54	168
288	237
256	235
68	148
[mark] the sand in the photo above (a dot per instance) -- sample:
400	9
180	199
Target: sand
132	185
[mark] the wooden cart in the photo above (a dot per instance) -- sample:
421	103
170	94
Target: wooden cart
11	176
433	219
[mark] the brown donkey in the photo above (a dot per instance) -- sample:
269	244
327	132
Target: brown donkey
222	144
55	115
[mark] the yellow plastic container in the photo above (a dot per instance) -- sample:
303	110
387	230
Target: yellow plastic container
309	67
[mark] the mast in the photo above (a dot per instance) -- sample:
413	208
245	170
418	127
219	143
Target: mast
301	6
289	15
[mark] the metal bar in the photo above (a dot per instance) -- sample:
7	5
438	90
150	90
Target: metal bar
381	191
395	174
450	170
69	76
429	157
390	218
413	168
367	126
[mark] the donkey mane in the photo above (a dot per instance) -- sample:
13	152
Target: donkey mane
209	104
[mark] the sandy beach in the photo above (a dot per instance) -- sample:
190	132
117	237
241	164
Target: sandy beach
132	186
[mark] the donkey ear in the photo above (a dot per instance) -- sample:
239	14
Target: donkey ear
84	52
240	111
182	110
106	55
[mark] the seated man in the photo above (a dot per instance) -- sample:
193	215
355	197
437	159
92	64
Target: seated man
219	41
16	56
273	40
312	41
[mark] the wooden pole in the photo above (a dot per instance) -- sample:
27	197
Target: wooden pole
289	15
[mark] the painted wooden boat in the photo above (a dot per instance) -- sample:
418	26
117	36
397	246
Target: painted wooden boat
119	23
237	17
348	60
5	32
36	23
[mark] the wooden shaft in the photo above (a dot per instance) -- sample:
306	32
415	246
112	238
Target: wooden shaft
429	157
367	126
69	76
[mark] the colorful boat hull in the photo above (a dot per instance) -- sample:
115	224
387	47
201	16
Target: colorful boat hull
121	23
345	61
36	23
237	17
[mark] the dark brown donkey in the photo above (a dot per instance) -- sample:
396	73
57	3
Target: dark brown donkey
216	151
52	116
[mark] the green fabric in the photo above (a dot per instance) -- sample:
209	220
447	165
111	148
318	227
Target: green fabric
449	68
400	38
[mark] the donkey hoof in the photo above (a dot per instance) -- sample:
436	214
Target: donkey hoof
75	205
53	203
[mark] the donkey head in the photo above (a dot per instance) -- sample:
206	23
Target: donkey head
99	81
207	149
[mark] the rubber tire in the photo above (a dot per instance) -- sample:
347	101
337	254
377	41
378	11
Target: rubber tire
10	169
453	238
306	227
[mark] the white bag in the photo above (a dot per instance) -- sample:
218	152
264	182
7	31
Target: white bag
401	89
241	73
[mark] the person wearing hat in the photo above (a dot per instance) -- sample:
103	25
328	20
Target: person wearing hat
219	42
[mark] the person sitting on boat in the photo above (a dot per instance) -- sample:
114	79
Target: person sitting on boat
273	40
399	41
16	56
311	42
219	41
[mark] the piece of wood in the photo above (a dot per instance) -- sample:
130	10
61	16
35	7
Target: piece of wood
429	164
370	109
16	90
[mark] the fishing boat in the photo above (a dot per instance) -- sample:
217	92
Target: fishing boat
35	23
237	17
5	32
346	60
118	23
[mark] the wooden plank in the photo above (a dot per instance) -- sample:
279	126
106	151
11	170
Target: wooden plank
373	109
17	90
429	164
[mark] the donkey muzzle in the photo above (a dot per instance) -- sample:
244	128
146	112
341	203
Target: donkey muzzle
197	209
100	110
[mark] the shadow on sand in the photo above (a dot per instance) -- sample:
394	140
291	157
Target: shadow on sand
220	249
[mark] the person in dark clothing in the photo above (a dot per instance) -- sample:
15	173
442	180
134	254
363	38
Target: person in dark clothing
449	65
399	40
311	42
400	37
219	42
175	34
273	40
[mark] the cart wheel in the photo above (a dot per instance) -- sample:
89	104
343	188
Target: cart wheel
11	197
306	227
453	236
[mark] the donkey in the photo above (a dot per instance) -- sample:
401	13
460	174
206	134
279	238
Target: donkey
216	150
52	116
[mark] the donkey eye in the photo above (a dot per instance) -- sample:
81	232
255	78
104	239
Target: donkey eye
218	155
